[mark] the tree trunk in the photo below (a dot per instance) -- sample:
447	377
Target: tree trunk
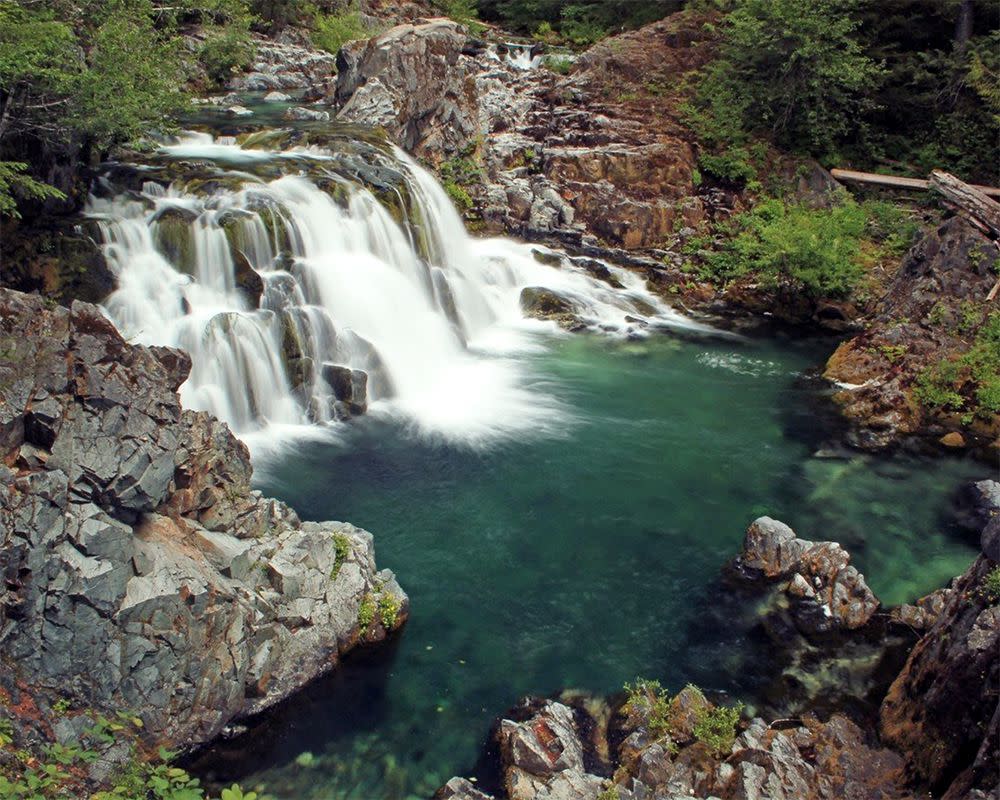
963	26
968	200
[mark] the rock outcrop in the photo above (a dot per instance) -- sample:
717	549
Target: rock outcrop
824	590
140	572
559	157
943	709
933	309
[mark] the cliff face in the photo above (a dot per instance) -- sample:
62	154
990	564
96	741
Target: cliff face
140	571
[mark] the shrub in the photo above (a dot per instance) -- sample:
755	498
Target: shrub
990	587
648	704
366	612
332	31
970	381
341	549
388	610
225	53
716	727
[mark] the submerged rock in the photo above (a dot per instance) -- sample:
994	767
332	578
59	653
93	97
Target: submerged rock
140	571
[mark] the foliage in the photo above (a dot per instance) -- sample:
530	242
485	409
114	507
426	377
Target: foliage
611	793
648	703
225	53
460	174
715	726
463	12
793	70
561	65
388	609
341	550
55	774
579	22
333	31
990	587
822	250
366	612
970	382
14	183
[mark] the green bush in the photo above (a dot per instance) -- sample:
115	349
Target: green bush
648	704
225	53
820	249
366	612
990	587
464	12
969	382
332	31
388	610
716	727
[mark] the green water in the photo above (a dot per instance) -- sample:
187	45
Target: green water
582	560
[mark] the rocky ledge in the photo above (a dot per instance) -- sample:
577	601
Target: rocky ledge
140	572
936	730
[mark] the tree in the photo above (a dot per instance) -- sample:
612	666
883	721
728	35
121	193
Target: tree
796	70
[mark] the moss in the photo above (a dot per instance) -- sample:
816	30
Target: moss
342	549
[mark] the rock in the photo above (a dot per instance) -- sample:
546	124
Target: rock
827	592
350	386
941	708
414	81
460	789
922	315
953	439
277	97
307	114
140	571
239	111
280	66
990	540
541	303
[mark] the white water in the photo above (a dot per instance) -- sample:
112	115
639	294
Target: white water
439	335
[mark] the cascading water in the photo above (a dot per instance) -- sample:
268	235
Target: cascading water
283	275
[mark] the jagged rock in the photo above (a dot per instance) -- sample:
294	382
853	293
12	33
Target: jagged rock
923	313
140	571
944	700
410	81
460	789
827	592
282	65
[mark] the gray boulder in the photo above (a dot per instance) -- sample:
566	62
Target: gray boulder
140	570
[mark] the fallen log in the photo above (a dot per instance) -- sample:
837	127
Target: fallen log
896	182
968	199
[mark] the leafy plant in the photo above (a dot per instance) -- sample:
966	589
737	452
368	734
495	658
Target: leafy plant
388	610
990	587
341	549
332	31
716	727
648	703
366	612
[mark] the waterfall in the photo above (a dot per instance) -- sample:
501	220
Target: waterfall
284	275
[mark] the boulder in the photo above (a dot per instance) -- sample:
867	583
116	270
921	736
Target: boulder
349	386
301	114
140	571
826	592
541	303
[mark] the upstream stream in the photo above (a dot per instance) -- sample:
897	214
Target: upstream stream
557	506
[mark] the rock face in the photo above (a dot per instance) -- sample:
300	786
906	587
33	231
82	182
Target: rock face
942	710
140	571
826	593
281	66
560	157
931	312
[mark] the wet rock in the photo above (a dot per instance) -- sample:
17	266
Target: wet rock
541	303
276	97
140	570
349	386
827	592
239	111
307	114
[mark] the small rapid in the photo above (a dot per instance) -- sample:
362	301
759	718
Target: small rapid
284	276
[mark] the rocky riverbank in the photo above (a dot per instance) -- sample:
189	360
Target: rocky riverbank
141	574
936	729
